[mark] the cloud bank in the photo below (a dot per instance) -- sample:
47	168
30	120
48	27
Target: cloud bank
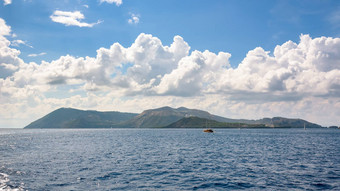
295	80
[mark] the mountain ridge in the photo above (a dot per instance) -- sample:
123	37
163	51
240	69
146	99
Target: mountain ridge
158	117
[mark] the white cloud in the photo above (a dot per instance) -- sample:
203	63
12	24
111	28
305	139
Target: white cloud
193	73
17	43
71	18
134	19
35	55
7	2
5	29
9	60
117	2
311	67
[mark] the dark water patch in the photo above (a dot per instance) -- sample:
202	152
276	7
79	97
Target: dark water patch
208	186
322	186
109	176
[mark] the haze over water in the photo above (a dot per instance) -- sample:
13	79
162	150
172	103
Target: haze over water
170	159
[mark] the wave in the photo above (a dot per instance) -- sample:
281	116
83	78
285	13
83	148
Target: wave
4	183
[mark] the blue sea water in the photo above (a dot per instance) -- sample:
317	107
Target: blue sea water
170	159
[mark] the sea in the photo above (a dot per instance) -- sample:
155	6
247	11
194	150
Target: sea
169	159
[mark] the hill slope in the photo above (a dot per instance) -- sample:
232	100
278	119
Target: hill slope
163	116
286	122
196	122
74	118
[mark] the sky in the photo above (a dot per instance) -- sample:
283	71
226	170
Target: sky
233	58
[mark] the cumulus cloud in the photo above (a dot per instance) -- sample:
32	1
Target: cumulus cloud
134	19
132	70
9	60
193	73
117	2
309	68
5	29
71	18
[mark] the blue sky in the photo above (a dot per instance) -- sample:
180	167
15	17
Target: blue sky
235	58
234	26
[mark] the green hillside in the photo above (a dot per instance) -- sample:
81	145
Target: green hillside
74	118
196	122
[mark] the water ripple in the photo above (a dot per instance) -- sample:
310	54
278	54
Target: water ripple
183	159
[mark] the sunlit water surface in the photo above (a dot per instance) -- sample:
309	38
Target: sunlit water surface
170	159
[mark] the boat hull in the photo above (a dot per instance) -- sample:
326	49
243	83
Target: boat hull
208	131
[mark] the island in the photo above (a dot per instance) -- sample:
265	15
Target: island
164	117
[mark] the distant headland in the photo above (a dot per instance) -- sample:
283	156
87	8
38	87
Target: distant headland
165	117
